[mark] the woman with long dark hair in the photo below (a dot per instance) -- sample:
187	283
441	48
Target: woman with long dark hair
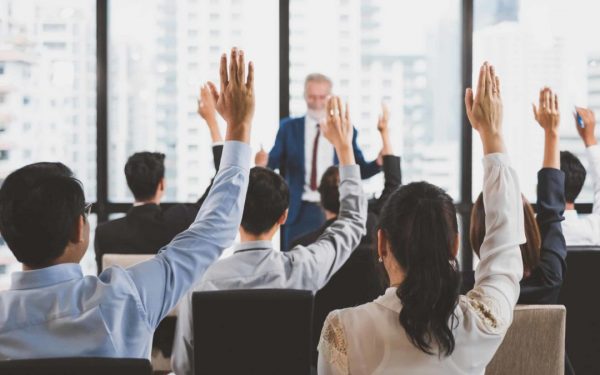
421	325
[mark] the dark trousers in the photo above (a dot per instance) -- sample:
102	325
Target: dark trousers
311	217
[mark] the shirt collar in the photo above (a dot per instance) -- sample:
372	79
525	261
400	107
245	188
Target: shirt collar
390	300
570	214
45	276
253	245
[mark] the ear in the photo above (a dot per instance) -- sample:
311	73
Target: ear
382	244
283	218
456	245
78	231
161	185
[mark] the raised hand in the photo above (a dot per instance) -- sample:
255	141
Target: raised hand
383	128
547	114
384	119
261	159
208	111
588	132
485	109
235	103
338	130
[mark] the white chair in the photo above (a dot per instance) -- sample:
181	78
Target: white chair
534	343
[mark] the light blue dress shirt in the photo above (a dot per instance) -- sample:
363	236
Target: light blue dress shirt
57	312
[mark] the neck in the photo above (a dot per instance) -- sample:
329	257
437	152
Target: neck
68	256
249	237
570	206
154	200
330	215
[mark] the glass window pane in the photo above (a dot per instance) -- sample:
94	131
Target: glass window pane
156	69
48	86
406	54
536	43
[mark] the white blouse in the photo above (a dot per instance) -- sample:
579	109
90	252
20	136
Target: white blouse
369	339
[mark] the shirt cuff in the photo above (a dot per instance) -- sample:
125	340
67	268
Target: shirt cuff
237	154
497	158
218	144
593	152
350	172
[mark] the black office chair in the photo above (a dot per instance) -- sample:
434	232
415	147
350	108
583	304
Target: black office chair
579	295
76	366
261	331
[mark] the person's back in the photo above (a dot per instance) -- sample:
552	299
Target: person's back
421	325
52	310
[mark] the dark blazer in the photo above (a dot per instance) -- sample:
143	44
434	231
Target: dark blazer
287	155
542	286
147	228
359	280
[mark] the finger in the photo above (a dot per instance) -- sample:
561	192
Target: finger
480	84
488	82
213	91
469	100
498	86
493	79
241	67
250	79
556	103
535	112
541	100
551	100
547	100
233	65
347	113
338	110
223	72
329	107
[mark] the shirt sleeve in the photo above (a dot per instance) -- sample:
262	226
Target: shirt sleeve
593	156
333	350
163	280
317	262
500	268
182	357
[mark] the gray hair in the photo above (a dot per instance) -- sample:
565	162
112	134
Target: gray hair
317	77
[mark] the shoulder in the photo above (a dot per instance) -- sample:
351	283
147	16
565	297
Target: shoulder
111	226
291	121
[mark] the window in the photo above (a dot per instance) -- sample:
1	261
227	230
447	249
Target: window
151	111
420	40
533	44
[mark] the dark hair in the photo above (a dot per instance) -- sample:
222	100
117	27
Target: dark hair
419	221
574	175
530	250
143	171
39	207
329	190
267	199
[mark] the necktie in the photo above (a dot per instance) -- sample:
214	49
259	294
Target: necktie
313	171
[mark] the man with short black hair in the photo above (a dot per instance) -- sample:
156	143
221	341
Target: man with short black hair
255	264
578	229
52	310
147	227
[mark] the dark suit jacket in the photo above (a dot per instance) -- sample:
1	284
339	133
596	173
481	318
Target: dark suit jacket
543	285
287	155
147	228
359	280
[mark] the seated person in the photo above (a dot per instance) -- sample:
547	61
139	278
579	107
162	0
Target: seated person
421	325
545	252
148	227
582	230
52	310
255	264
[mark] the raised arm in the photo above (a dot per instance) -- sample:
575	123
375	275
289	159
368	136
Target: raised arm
319	261
592	150
163	280
544	282
500	268
392	174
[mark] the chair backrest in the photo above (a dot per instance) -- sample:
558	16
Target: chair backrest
124	260
76	366
261	331
534	343
583	306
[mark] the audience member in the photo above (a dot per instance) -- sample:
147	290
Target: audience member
421	324
255	264
302	157
148	227
544	254
52	310
585	229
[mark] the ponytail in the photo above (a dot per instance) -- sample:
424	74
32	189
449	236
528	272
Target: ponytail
420	223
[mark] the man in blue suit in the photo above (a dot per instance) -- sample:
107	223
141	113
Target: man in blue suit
302	155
